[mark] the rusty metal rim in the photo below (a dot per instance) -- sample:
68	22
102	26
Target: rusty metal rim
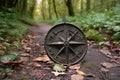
86	47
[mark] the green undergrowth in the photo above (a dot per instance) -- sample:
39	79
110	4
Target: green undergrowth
12	31
98	26
10	27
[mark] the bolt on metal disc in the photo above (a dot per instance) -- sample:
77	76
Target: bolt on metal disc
65	44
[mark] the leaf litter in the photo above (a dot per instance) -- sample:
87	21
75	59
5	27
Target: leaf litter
43	58
40	63
109	65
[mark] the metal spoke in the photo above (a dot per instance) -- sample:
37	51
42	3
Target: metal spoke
59	51
73	51
56	43
77	43
62	38
67	54
69	38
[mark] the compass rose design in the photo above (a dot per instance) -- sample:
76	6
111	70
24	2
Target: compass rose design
66	44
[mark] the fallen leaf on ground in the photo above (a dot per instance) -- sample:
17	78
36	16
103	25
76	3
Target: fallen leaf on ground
35	64
104	70
0	45
116	57
107	53
81	73
2	52
109	65
5	61
18	61
23	59
59	68
43	58
76	77
56	73
24	55
29	36
117	61
90	75
52	79
116	49
76	67
24	41
26	48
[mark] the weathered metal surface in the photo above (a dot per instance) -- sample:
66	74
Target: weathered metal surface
65	44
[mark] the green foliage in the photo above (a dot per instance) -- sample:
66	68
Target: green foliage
7	70
94	35
4	71
6	45
116	10
16	44
11	32
109	20
94	20
116	28
11	55
116	36
104	43
10	27
7	57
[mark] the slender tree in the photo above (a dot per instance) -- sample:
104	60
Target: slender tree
21	6
87	5
49	8
55	8
42	10
70	7
81	6
31	7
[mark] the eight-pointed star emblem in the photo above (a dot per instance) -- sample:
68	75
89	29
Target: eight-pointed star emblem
66	44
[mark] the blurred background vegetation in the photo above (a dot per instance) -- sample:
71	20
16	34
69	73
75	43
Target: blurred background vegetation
99	19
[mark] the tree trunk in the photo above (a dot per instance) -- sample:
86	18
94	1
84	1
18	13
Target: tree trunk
11	3
2	3
24	6
31	7
114	2
118	1
55	8
81	6
42	10
70	7
49	8
88	5
8	4
21	6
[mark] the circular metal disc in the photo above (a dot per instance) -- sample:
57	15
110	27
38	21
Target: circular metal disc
65	44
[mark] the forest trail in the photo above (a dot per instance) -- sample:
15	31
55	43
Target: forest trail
33	68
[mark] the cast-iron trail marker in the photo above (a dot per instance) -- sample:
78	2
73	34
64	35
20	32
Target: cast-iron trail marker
65	44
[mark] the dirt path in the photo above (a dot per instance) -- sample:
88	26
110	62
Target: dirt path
42	70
